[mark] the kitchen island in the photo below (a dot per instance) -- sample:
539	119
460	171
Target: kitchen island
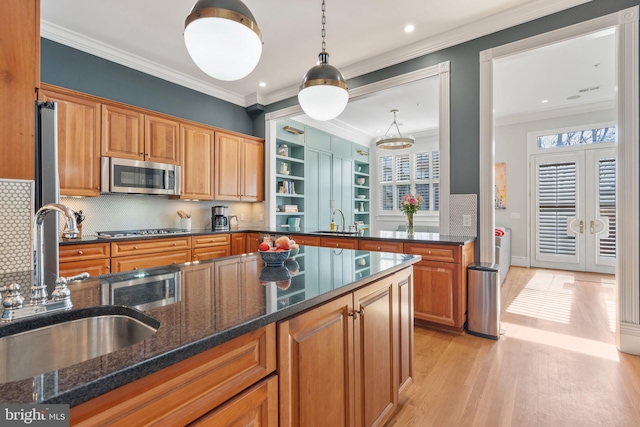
205	307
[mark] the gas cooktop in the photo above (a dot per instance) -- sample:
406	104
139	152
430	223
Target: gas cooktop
141	233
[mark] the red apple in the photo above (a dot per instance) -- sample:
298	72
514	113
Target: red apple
264	247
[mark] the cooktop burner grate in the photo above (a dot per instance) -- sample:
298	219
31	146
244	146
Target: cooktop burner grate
134	233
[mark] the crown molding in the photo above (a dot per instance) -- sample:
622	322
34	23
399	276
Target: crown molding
511	119
77	41
514	16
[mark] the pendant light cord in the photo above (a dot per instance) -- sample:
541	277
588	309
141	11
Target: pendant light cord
394	123
323	32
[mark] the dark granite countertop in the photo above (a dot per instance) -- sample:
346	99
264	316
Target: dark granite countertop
199	306
391	235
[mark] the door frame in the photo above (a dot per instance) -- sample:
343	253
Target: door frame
628	245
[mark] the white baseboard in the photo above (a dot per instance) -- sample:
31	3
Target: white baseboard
520	261
629	338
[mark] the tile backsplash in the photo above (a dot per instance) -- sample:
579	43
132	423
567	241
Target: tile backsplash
16	213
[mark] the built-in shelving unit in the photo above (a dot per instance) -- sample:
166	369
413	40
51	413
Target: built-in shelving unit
290	168
362	192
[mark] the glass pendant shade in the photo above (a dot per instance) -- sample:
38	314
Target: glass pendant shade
223	39
323	94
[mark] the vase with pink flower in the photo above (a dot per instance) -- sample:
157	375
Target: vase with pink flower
410	205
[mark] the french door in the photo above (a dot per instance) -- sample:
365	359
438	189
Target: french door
574	210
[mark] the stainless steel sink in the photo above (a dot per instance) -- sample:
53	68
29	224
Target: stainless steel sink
69	338
337	233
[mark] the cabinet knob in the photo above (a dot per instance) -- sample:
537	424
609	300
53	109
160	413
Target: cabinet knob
175	244
108	267
80	252
135	247
135	268
378	247
142	154
337	245
429	252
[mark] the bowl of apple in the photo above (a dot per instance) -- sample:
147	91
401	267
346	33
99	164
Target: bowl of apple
275	255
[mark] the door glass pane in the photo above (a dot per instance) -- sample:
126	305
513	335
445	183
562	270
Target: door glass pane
556	202
607	205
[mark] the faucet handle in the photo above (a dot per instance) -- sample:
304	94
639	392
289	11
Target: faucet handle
12	299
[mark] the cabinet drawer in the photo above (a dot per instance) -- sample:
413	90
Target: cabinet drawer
200	254
210	240
94	267
434	252
381	246
136	247
182	393
334	242
84	252
306	240
129	263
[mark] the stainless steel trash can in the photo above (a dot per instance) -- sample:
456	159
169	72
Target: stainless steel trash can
483	313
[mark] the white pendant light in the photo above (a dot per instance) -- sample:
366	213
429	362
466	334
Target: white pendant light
323	93
394	141
223	39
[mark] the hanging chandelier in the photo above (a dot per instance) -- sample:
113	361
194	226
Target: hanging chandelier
394	141
323	93
223	38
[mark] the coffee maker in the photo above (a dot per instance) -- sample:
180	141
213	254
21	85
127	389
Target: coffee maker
220	217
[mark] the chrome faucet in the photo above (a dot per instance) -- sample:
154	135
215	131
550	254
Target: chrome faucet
341	214
13	307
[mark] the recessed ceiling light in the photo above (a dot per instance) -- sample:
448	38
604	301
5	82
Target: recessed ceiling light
262	84
544	101
409	28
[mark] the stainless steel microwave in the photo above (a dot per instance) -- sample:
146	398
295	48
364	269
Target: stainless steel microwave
138	177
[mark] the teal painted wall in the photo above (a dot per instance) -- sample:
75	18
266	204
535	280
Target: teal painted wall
74	69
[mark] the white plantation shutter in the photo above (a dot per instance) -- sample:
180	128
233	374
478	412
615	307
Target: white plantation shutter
401	174
403	170
607	205
556	202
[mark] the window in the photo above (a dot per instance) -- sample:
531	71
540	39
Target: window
401	174
580	137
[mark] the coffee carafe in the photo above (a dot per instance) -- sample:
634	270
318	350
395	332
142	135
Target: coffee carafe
220	217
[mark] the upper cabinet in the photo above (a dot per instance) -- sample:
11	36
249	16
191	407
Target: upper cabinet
239	168
130	134
20	71
197	162
78	142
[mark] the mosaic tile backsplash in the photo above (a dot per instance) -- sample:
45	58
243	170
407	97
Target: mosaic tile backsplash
16	211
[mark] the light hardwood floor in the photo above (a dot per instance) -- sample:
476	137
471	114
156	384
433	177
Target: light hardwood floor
555	365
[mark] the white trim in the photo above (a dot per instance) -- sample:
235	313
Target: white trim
491	24
520	261
95	47
554	113
443	71
628	245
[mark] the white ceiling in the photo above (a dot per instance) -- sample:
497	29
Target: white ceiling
361	35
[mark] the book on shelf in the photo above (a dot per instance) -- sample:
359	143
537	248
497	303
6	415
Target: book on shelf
287	187
291	208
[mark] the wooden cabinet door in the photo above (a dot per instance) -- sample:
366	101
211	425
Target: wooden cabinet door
434	285
161	140
404	280
253	241
197	162
227	170
376	351
315	367
122	133
211	252
252	171
238	243
256	407
20	71
78	144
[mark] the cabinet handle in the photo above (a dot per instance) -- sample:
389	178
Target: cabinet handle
354	314
80	253
142	154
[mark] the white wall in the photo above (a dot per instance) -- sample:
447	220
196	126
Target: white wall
511	148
